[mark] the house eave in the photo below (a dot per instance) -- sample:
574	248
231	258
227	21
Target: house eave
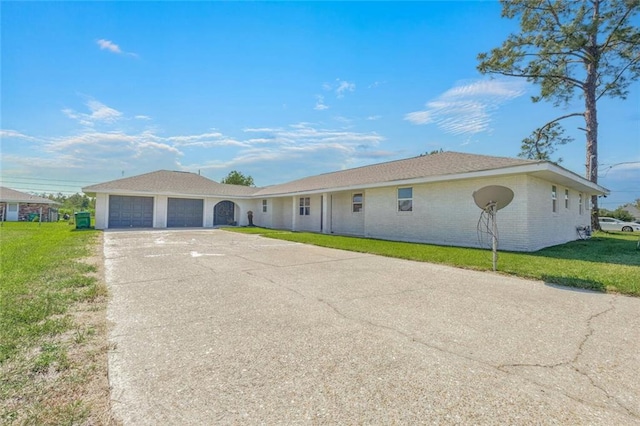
542	170
129	192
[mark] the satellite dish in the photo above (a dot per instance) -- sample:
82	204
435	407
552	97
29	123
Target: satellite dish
491	195
491	199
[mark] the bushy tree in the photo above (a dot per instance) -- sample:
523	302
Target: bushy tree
619	213
588	48
237	178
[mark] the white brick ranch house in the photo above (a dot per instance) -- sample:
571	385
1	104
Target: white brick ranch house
422	199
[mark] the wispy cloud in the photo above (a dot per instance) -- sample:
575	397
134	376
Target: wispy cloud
13	134
291	149
113	48
376	84
108	45
99	113
204	140
344	86
467	108
104	151
320	105
339	87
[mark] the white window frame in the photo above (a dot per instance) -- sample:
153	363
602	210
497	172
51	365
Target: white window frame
264	206
566	198
554	199
355	203
305	206
580	201
403	200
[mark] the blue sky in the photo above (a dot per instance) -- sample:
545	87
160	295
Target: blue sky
95	91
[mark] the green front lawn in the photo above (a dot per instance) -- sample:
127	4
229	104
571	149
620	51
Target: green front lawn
52	326
607	262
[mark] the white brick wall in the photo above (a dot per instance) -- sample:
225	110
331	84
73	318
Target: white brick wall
343	219
102	211
443	213
547	228
312	221
260	218
281	213
160	205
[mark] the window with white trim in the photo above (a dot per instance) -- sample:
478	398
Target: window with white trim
357	202
580	203
264	206
405	199
554	198
305	206
566	198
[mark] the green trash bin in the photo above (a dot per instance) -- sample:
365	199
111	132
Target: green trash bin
83	220
33	217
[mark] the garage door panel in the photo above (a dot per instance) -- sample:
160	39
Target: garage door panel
185	212
130	212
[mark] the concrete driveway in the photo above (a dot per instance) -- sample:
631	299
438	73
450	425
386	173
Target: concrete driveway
213	327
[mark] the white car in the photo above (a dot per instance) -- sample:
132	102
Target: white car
611	224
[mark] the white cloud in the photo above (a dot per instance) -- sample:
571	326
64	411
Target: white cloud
320	105
112	47
261	129
13	134
467	109
104	152
303	136
344	86
301	149
374	117
142	117
99	113
108	45
340	87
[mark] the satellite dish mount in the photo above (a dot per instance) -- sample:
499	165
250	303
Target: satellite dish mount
490	199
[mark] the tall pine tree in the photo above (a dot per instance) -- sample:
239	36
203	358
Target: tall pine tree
584	48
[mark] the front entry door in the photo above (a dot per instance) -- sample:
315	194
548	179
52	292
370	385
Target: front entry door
223	213
12	212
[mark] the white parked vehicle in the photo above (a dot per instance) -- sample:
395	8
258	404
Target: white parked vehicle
611	224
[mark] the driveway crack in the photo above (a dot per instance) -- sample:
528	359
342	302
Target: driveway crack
572	364
503	368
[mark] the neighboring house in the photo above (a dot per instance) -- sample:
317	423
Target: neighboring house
632	210
422	199
17	206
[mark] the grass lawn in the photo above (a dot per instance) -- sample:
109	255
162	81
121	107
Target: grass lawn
607	262
52	326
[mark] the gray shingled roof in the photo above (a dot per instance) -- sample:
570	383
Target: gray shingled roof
440	164
13	196
170	182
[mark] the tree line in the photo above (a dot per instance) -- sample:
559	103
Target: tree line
75	202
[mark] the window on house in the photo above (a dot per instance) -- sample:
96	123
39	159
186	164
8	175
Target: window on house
554	199
357	202
305	206
405	199
264	206
566	198
580	203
